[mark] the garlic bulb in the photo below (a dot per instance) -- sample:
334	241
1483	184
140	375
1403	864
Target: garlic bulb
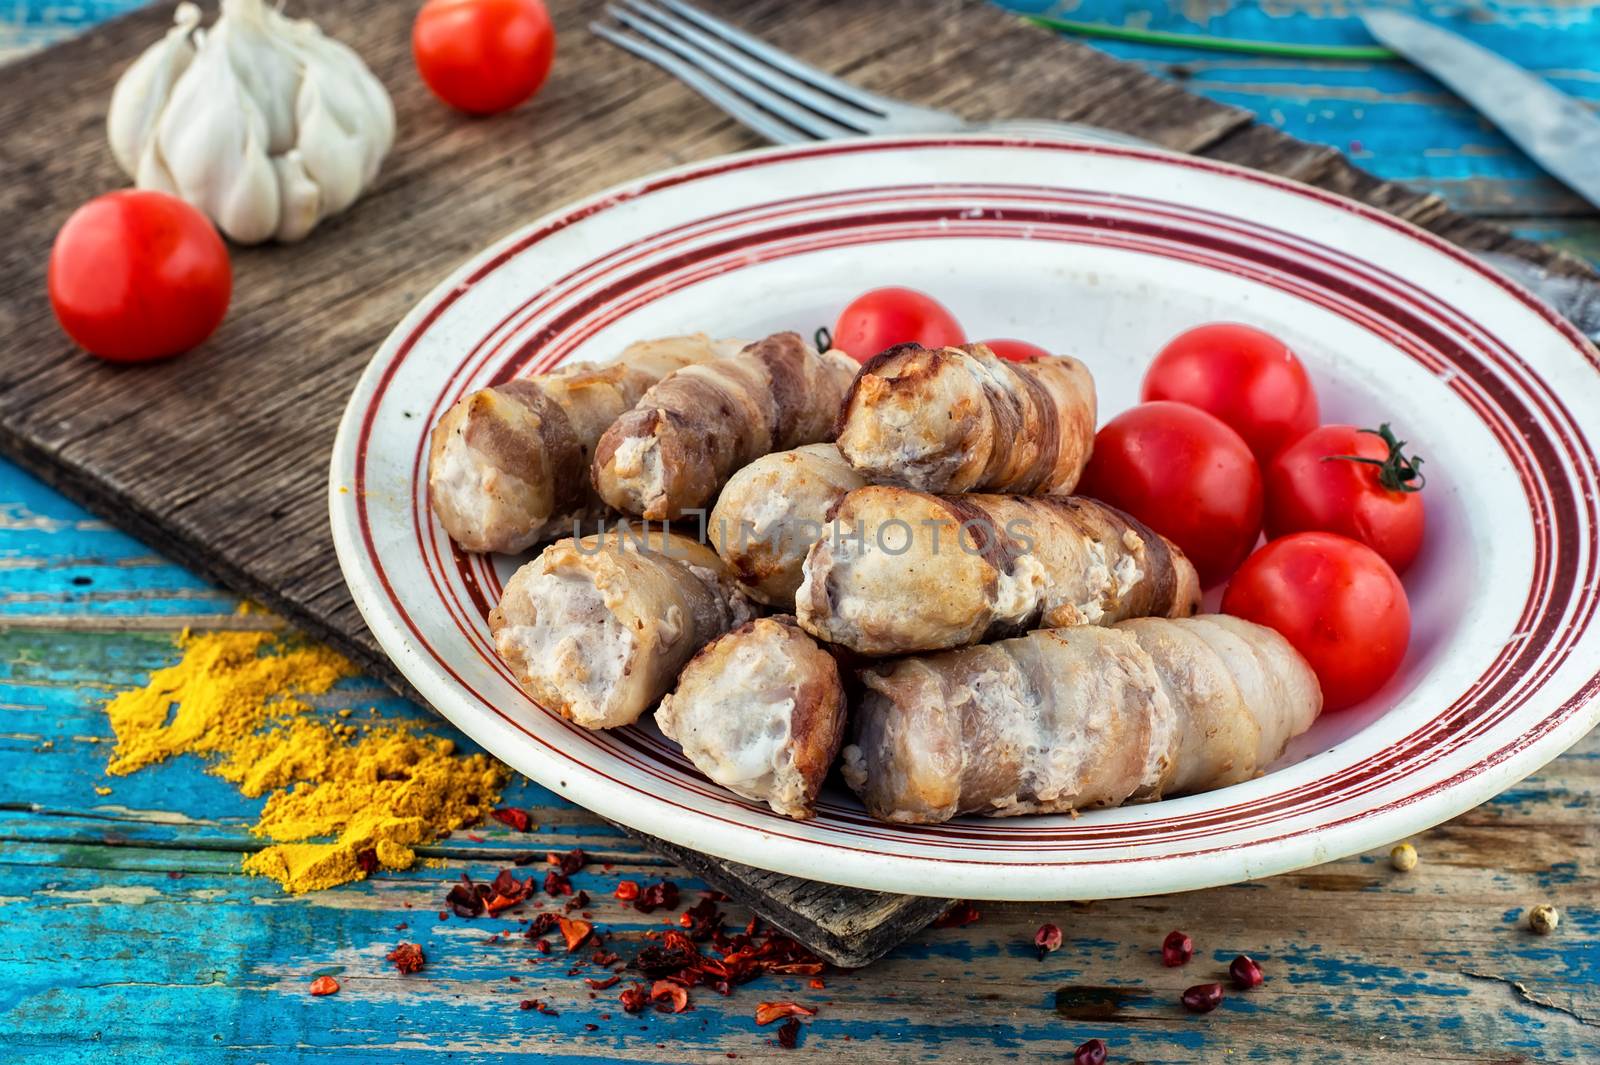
260	121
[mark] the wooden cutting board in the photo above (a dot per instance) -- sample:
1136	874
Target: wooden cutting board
219	458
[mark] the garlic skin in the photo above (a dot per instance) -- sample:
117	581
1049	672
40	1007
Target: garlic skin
260	121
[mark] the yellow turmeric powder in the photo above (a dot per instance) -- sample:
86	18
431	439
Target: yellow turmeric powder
342	800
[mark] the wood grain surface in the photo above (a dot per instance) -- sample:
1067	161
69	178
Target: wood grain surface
219	459
128	933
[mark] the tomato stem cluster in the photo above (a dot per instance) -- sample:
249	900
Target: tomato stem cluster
1398	472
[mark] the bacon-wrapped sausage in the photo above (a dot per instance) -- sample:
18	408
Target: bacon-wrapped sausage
761	711
508	466
687	435
772	511
597	629
1069	719
899	571
964	420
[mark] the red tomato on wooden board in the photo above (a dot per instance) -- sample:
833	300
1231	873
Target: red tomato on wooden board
1336	601
885	317
137	275
1184	474
1316	483
1015	350
1247	378
483	56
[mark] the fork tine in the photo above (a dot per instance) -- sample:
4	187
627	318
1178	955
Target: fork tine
749	115
783	61
830	107
762	95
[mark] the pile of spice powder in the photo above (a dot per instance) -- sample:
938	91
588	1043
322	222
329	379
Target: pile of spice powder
344	800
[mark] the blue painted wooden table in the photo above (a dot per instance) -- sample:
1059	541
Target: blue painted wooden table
127	931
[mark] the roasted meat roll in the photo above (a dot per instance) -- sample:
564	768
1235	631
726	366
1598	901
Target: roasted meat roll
772	511
898	571
686	436
964	420
597	629
761	711
1069	719
508	466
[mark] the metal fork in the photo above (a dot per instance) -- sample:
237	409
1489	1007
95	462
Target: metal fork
786	100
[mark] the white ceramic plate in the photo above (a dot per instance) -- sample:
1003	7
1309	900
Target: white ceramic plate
1104	253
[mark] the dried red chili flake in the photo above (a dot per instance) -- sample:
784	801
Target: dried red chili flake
529	1004
543	924
626	891
767	1012
512	817
324	985
1176	949
467	899
1091	1053
556	885
367	861
574	931
577	902
669	997
600	985
789	1034
634	999
702	919
591	1027
407	958
603	957
960	915
661	894
1047	940
569	862
1245	972
1202	998
543	945
664	960
817	985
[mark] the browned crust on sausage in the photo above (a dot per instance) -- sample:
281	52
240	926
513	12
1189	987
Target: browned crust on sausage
1044	462
992	543
817	724
869	368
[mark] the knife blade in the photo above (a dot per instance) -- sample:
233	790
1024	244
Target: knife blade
1576	299
1556	131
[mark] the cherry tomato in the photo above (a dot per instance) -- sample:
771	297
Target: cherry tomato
1184	474
1336	601
885	317
1015	350
483	56
1247	378
1316	484
137	275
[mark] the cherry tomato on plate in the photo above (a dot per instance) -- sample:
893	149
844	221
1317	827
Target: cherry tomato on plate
483	56
137	275
885	317
1247	378
1184	474
1015	350
1356	482
1336	601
